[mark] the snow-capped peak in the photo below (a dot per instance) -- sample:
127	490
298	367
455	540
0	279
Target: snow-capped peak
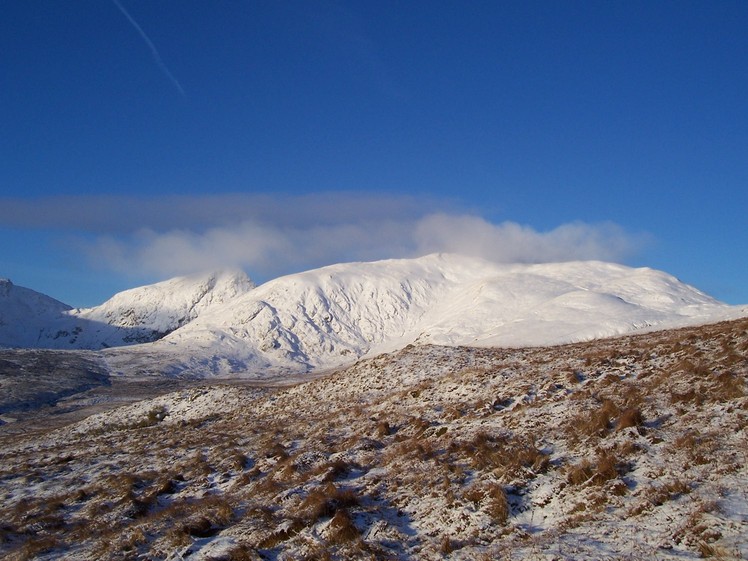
23	312
167	305
138	315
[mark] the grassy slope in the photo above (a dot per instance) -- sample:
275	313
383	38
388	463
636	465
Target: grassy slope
624	448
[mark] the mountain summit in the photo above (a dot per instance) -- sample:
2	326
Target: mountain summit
24	312
153	311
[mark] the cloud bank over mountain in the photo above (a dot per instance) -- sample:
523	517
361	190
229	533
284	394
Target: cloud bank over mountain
274	235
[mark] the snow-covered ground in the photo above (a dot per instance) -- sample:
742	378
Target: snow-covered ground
624	448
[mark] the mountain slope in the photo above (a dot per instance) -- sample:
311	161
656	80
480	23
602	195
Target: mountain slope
24	313
219	324
148	313
629	448
331	316
31	320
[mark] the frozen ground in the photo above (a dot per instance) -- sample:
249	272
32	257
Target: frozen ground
626	448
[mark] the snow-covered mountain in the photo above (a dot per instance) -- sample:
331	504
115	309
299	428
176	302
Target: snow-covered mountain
148	313
24	313
331	316
325	318
139	315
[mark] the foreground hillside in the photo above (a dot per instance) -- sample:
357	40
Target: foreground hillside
627	448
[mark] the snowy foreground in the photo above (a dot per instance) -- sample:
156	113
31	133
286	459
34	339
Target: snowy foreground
626	448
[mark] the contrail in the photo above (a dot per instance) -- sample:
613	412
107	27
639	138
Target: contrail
151	46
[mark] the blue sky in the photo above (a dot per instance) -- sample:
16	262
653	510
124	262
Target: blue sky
144	139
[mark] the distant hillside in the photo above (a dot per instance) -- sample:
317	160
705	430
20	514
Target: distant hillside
25	314
220	324
29	319
332	316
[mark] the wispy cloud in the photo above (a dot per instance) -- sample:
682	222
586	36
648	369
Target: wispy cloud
271	235
264	250
109	214
154	51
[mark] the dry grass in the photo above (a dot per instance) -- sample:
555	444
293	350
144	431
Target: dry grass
597	422
660	494
34	547
604	468
342	529
631	417
506	457
325	501
491	498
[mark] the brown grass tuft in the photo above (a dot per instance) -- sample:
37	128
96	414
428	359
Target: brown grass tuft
342	529
660	494
325	501
631	417
492	498
595	423
384	429
446	546
729	386
603	469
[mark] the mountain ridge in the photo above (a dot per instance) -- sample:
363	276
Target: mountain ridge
29	319
224	325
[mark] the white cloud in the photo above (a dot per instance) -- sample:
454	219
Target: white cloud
117	215
509	242
269	235
267	250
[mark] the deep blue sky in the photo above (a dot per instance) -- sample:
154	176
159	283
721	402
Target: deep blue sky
141	138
